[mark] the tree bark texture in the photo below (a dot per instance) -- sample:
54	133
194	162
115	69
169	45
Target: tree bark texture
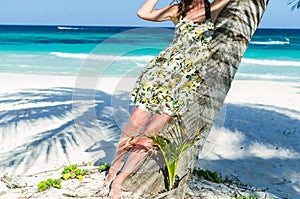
234	29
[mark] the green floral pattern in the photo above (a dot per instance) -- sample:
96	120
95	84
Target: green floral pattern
172	78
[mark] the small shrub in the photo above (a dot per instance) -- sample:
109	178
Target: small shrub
44	185
104	167
208	175
72	172
244	197
69	172
173	144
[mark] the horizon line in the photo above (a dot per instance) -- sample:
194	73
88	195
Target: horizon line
123	26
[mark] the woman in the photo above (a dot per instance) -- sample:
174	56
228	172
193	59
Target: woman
166	86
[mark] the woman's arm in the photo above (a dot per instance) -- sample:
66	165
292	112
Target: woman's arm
148	12
216	7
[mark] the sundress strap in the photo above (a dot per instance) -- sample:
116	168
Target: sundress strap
207	9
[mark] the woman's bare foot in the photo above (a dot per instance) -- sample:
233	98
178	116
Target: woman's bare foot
115	191
124	145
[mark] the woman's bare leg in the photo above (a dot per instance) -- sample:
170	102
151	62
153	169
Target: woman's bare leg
138	153
132	128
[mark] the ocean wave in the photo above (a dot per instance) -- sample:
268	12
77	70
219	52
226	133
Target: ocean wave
142	58
68	28
267	77
268	62
270	42
70	55
24	66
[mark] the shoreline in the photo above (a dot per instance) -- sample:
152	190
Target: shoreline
56	125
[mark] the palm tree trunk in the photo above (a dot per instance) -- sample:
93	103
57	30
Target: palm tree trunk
234	28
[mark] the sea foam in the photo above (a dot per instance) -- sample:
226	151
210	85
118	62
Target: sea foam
102	57
269	62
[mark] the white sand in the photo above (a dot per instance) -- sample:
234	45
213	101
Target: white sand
45	123
258	141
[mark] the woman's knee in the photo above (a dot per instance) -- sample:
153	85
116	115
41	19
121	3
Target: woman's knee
138	117
157	123
145	142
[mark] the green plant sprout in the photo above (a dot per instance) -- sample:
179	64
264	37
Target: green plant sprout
251	196
104	167
72	172
89	163
172	144
208	175
69	172
44	185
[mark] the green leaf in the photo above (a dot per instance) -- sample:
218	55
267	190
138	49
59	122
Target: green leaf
104	167
84	171
66	176
73	168
208	175
42	186
173	143
57	183
66	170
73	175
49	182
78	171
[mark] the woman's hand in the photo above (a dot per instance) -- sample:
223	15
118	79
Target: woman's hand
148	12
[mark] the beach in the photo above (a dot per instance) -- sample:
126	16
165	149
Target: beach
51	121
64	98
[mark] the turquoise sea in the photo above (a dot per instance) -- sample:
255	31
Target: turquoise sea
65	49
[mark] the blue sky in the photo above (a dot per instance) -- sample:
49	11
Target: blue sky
113	13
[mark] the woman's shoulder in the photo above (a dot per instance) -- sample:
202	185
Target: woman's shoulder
174	10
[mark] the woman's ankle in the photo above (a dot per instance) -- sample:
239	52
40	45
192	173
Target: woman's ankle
115	190
110	176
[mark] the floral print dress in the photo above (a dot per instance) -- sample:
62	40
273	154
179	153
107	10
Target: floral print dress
173	77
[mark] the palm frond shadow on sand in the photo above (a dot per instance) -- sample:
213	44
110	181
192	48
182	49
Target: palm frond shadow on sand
41	129
260	147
